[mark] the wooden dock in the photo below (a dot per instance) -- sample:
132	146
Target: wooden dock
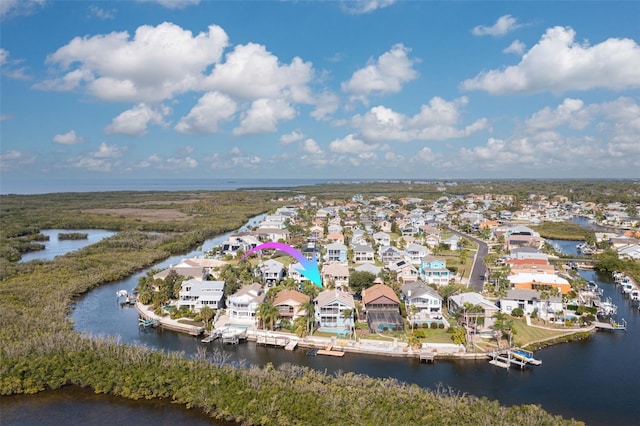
211	337
611	326
279	341
291	345
427	357
329	351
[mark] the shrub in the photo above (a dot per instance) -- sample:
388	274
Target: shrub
434	325
517	312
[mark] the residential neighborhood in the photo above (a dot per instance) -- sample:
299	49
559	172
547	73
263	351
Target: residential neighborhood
393	268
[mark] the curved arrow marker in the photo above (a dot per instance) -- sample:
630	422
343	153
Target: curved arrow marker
310	267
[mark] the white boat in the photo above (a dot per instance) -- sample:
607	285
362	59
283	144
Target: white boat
634	295
607	308
122	293
627	287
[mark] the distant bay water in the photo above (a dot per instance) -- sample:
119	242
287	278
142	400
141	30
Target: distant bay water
42	186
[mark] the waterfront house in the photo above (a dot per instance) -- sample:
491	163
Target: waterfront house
426	300
363	254
382	308
329	310
243	305
336	252
271	271
195	294
486	309
434	270
530	301
196	267
289	304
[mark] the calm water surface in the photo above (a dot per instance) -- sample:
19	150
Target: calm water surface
55	247
596	380
76	406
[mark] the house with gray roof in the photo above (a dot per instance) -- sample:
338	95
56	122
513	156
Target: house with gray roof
243	304
329	308
195	294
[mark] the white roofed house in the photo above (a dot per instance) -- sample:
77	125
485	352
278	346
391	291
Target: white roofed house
363	254
382	238
415	252
426	302
293	272
530	301
271	271
195	294
243	305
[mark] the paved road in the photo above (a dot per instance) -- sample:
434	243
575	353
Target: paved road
478	272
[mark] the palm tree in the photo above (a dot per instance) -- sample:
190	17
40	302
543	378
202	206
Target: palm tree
206	313
309	309
268	313
503	324
346	315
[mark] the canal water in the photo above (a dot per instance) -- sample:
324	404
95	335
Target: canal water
55	247
595	380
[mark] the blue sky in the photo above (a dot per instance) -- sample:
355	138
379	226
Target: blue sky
275	89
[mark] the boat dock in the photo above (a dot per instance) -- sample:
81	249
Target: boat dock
514	357
291	345
611	325
279	341
427	356
329	351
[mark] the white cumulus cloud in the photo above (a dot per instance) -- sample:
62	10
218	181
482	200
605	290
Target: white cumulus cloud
309	146
570	113
385	75
153	65
69	138
251	72
263	116
292	137
350	144
439	120
359	7
212	109
517	47
505	24
558	64
134	121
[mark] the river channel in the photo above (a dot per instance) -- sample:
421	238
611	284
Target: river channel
596	380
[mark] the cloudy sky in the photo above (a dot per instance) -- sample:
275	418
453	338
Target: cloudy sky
275	89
